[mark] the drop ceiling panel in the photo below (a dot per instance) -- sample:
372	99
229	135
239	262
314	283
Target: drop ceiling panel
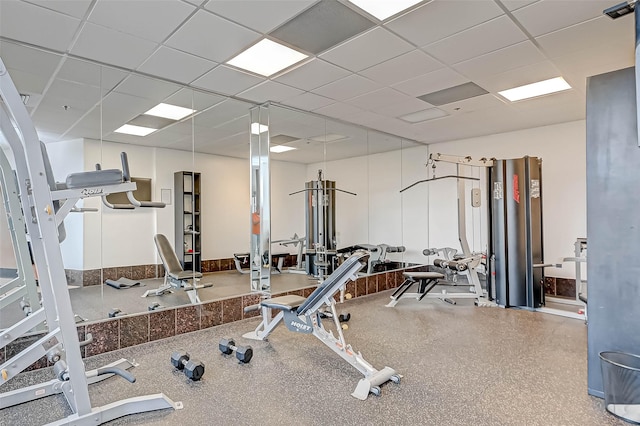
357	54
322	26
512	57
546	16
517	4
378	99
75	8
270	91
407	106
141	19
78	97
112	47
338	110
556	108
211	37
176	65
401	68
189	98
79	71
596	35
262	16
347	88
519	76
118	108
472	104
229	81
442	18
224	112
149	88
577	67
308	101
312	74
431	82
30	69
36	25
484	38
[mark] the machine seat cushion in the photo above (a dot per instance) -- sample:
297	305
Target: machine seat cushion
284	303
185	275
423	275
94	178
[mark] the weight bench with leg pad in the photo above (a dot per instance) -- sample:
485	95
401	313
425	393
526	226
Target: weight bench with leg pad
302	315
425	280
174	275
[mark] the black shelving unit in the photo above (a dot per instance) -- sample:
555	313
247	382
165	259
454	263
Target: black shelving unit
187	216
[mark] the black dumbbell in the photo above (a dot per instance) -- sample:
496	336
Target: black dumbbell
344	317
154	306
243	353
192	368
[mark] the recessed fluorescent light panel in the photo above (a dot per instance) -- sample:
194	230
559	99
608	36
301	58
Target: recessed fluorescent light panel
171	112
533	90
383	9
281	148
134	130
267	58
424	115
257	128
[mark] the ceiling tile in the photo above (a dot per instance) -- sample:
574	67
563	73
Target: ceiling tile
81	71
484	38
224	112
36	25
212	37
308	101
229	81
551	15
347	88
312	74
407	106
176	65
517	4
78	97
75	8
338	110
472	104
189	98
112	47
512	57
140	18
262	16
357	54
148	88
321	27
30	69
442	18
269	91
431	82
401	68
119	108
379	98
539	71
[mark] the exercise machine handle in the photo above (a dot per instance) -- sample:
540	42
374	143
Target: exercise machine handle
118	371
127	178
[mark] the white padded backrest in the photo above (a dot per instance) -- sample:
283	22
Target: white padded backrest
168	256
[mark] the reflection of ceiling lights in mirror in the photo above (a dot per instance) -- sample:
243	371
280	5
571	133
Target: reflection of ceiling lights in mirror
383	9
424	115
266	58
533	90
257	128
329	137
281	148
171	112
134	130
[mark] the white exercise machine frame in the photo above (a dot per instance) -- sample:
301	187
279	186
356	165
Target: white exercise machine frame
61	342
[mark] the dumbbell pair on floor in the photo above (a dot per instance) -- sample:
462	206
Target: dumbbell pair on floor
243	353
194	369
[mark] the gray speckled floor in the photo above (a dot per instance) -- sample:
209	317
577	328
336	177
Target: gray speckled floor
461	365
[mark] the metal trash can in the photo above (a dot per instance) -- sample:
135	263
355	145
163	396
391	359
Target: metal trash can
621	382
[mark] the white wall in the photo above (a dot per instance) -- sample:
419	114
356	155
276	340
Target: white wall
426	215
67	157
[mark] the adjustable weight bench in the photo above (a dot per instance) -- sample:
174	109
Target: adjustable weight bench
302	315
174	275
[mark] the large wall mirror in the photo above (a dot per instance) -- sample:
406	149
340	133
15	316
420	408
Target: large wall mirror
197	164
